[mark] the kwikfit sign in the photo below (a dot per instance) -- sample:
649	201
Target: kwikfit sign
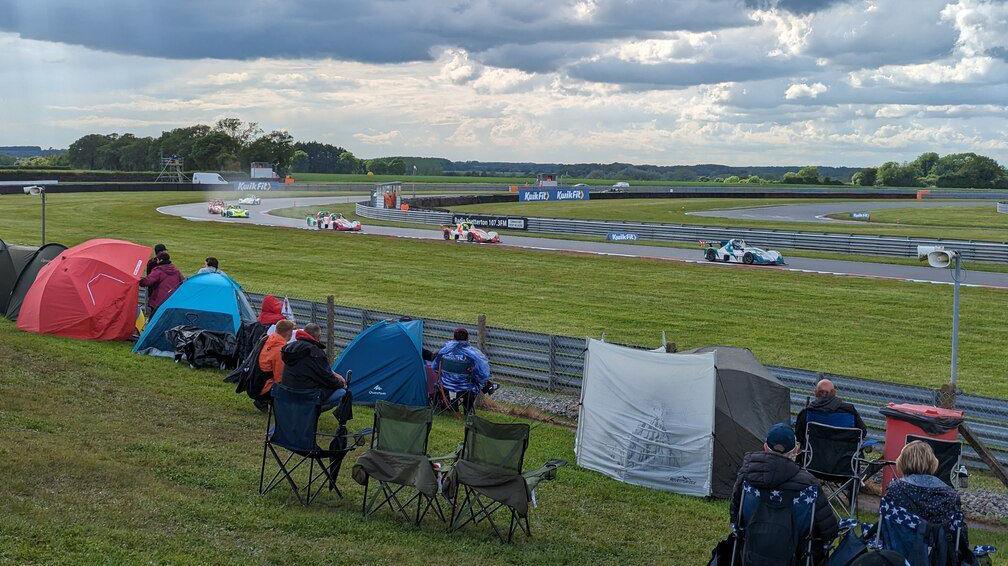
622	237
544	195
257	185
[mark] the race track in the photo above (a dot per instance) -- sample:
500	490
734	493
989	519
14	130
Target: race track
817	212
259	215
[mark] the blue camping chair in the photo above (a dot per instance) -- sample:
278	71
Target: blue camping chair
292	427
913	537
800	505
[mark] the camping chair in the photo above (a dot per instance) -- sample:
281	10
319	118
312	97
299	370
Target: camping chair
443	400
292	426
759	505
833	454
490	475
949	454
903	531
398	461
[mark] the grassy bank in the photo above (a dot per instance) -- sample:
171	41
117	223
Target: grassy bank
880	329
979	217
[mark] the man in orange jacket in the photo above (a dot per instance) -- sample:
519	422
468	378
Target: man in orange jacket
269	357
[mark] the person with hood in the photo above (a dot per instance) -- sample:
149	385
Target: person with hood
307	368
271	313
152	262
918	491
827	408
464	369
161	282
774	469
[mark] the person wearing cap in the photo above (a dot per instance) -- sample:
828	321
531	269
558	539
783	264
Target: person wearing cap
464	369
774	468
152	262
827	408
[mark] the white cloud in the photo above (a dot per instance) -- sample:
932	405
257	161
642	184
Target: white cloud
379	138
804	90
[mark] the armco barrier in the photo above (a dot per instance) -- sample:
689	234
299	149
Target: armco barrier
845	243
556	363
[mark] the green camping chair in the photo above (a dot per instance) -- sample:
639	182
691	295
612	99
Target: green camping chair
398	461
490	475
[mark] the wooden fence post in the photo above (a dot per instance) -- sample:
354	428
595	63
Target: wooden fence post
330	326
481	332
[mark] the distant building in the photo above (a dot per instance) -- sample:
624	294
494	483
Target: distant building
546	181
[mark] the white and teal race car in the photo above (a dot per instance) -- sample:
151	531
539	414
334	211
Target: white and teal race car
737	251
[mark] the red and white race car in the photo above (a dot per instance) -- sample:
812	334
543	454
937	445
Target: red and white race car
325	220
469	233
216	206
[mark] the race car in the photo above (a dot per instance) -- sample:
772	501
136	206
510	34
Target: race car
470	233
216	207
737	251
326	220
250	200
235	211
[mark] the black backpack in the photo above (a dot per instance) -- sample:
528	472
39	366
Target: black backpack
247	377
771	536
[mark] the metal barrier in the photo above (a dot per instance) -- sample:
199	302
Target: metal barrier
1002	207
556	363
846	243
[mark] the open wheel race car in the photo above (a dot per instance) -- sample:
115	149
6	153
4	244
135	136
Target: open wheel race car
326	220
469	233
737	251
250	200
216	207
235	211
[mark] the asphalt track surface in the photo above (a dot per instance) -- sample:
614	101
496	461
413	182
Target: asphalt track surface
259	215
817	212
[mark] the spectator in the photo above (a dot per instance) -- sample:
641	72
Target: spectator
464	370
162	282
774	469
210	265
152	262
828	409
307	368
918	491
270	360
271	312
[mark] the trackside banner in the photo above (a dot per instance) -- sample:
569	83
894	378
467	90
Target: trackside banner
257	185
545	195
494	222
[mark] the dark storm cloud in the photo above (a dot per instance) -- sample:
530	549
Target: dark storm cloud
379	31
795	6
674	75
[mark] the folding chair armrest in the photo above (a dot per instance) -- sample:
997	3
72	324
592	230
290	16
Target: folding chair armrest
547	471
453	455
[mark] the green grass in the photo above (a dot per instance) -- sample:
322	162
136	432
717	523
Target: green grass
887	330
985	217
675	211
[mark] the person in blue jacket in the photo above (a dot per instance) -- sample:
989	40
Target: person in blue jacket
464	369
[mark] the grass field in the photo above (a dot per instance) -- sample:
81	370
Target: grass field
881	329
980	217
676	211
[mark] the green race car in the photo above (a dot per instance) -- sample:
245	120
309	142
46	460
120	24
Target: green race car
234	211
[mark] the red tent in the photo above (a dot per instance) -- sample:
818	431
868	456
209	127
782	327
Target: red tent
89	291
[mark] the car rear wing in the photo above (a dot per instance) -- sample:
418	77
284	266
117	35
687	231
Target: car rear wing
713	243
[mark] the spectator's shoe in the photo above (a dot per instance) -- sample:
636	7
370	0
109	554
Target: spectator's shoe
263	406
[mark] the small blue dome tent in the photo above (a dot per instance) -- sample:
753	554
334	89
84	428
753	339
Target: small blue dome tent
387	364
210	301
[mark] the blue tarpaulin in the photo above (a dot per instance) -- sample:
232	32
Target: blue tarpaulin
387	364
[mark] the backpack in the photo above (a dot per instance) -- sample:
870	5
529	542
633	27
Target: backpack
247	376
771	536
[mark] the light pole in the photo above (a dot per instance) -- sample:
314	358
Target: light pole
38	190
941	258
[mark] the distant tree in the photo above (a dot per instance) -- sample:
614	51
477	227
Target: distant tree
924	163
83	153
892	174
865	177
276	147
968	170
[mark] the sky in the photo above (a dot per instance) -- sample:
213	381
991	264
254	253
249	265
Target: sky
738	82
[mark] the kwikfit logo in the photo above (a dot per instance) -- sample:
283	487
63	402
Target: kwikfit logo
570	195
536	195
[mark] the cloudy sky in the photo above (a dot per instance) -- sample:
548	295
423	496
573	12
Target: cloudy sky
837	82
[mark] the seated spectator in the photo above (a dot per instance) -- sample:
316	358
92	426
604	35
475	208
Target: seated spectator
162	282
828	409
152	262
210	265
307	368
918	491
270	360
464	369
774	469
271	312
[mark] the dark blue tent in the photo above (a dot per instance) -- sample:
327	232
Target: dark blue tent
210	301
387	364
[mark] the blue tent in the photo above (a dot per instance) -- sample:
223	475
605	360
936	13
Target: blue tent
387	364
211	301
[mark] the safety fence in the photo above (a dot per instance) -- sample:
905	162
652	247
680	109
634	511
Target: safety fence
845	243
556	363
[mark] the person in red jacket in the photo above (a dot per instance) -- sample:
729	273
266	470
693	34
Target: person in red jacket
164	278
270	313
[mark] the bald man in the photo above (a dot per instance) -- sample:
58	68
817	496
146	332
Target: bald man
827	408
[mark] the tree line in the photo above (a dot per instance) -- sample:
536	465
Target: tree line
955	170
